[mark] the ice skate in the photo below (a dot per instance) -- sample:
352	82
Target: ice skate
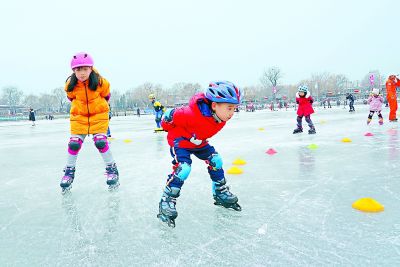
167	206
112	176
223	197
312	131
369	121
381	121
67	179
297	130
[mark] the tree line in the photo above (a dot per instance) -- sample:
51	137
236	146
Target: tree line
269	88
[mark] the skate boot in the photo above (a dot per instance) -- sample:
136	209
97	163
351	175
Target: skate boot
167	210
298	130
380	121
67	179
112	176
312	131
369	121
223	197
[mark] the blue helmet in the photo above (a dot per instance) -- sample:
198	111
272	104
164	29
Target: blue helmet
223	92
303	88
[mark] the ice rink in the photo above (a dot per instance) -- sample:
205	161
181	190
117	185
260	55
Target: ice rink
297	203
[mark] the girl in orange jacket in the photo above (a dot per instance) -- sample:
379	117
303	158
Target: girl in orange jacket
391	84
89	94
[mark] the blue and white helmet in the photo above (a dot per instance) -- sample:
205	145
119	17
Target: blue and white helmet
223	92
302	88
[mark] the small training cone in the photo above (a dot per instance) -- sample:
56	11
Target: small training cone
271	151
234	170
239	161
368	205
312	146
322	121
111	138
127	141
261	129
346	140
368	134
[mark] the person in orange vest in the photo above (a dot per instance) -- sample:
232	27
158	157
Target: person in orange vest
391	84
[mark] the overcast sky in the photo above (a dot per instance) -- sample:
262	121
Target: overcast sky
168	41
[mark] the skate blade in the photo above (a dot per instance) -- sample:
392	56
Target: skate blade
66	190
169	222
235	206
113	187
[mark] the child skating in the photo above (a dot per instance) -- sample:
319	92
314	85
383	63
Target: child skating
188	129
375	105
88	93
305	109
158	110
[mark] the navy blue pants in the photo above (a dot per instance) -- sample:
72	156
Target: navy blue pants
181	155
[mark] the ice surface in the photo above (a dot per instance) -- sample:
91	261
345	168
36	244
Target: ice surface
296	203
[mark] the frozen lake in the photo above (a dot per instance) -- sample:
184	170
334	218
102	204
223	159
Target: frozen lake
296	204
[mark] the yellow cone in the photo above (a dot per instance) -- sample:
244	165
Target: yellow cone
261	129
127	141
235	170
322	121
111	138
346	140
239	161
368	205
312	146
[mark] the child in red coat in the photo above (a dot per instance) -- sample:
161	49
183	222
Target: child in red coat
304	100
189	128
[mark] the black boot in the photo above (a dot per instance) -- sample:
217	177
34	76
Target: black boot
298	130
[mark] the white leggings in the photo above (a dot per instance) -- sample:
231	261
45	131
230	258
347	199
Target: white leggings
105	152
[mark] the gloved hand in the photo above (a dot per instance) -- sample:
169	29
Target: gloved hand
195	141
168	115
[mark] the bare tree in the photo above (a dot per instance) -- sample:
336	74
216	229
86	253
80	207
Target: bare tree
115	100
31	101
140	95
48	102
319	82
181	92
271	77
12	96
61	97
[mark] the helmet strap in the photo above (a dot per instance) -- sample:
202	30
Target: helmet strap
218	120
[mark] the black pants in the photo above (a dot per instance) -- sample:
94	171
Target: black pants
352	106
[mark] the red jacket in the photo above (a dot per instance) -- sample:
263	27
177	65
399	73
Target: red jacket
305	104
195	120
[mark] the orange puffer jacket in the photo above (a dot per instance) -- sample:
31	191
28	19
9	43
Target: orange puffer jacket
89	109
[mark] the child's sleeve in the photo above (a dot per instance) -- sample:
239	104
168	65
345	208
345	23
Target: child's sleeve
106	89
173	118
369	99
70	95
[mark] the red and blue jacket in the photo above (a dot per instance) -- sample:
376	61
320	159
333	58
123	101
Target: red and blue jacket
193	121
